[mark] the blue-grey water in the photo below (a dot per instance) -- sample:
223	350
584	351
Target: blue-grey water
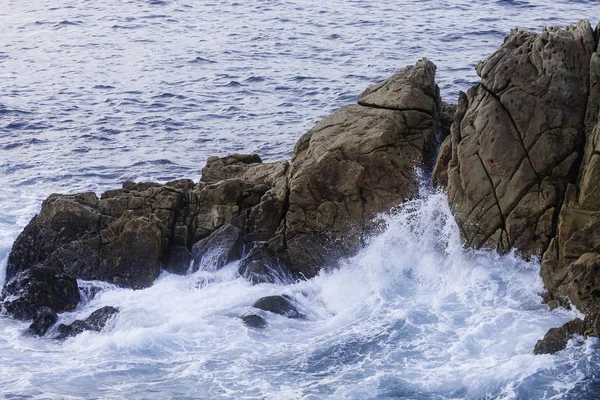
93	93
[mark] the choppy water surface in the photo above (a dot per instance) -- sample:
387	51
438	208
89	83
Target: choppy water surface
93	93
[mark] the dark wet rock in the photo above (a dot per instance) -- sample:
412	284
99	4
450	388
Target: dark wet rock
254	321
73	329
95	322
28	291
557	338
100	317
282	305
261	265
43	320
221	247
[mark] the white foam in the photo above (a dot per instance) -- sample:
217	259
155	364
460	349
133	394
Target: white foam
413	312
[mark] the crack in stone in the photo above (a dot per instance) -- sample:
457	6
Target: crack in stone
422	110
495	96
503	227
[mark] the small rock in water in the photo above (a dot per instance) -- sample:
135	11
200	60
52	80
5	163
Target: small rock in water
254	321
95	322
282	305
43	320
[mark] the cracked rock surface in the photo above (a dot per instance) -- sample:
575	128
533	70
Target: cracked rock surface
522	166
517	144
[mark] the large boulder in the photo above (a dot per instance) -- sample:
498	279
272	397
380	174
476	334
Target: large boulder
517	139
522	165
356	163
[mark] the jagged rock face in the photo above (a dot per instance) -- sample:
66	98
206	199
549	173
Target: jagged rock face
517	139
524	166
120	238
570	266
356	163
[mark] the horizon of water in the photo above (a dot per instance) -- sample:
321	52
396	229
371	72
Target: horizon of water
95	94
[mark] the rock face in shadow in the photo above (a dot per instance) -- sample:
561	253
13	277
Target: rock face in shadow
285	221
42	321
39	287
521	165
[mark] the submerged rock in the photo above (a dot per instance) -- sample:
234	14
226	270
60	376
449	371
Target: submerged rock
254	321
95	322
282	305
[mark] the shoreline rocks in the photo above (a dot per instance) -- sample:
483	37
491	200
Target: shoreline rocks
519	156
285	221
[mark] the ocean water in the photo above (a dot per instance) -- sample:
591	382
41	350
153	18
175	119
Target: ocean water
94	93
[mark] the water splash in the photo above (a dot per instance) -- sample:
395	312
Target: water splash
413	315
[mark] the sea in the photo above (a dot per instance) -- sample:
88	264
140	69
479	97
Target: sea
93	93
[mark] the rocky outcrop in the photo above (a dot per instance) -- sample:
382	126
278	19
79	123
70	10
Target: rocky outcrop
285	221
518	137
521	162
